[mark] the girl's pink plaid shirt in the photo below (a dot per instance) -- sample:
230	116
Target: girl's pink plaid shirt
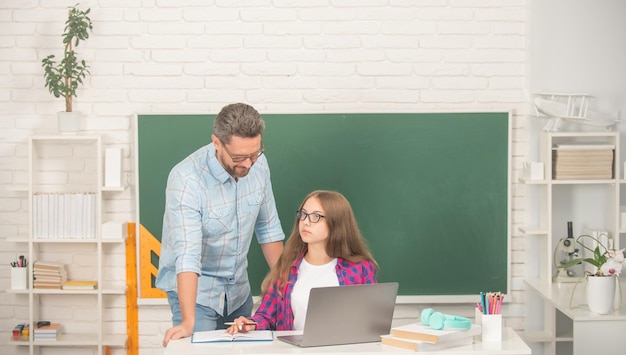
275	309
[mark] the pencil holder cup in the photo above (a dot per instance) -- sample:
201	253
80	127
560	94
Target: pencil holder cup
491	326
19	278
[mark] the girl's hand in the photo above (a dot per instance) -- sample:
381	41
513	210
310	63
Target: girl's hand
241	325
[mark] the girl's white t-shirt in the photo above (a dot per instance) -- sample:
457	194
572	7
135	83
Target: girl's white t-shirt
310	276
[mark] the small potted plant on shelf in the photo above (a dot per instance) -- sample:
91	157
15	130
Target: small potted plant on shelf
608	264
63	78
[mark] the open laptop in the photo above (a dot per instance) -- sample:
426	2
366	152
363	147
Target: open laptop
347	315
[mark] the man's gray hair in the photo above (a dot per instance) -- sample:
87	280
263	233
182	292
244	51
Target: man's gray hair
240	120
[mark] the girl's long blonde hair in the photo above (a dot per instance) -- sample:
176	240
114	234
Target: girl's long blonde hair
344	238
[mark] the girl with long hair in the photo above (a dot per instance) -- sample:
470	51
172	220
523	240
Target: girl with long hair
325	248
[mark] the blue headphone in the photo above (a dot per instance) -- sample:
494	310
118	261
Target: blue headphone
438	320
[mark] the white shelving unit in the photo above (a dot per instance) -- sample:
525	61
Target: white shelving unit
553	326
64	164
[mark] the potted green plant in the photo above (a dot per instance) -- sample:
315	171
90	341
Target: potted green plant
606	261
601	282
64	77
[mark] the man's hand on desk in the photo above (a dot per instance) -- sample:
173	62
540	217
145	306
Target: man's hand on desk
177	332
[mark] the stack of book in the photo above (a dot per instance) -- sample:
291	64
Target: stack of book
67	216
47	332
49	275
582	161
419	337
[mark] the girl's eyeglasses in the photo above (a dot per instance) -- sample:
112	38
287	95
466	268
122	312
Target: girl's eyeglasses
313	217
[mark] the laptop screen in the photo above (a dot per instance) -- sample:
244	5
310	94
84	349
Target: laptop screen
348	314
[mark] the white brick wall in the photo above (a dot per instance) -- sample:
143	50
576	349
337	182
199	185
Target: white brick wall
280	56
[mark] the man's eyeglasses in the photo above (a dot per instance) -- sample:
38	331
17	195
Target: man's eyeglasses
242	158
313	217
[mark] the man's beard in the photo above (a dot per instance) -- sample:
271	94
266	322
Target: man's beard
232	170
237	173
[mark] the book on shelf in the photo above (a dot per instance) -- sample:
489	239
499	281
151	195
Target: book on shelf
220	335
46	335
80	285
561	176
54	337
583	160
589	146
48	278
48	282
52	328
418	331
419	345
584	153
50	286
48	265
62	276
49	273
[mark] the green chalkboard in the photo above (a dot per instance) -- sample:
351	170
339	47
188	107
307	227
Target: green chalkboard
430	190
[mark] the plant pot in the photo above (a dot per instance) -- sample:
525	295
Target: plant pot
69	122
601	293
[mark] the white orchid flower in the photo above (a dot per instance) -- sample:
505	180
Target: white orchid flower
618	255
611	267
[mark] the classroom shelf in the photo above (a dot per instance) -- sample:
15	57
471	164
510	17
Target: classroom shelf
551	320
62	166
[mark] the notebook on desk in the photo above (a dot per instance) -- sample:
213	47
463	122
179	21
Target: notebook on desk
347	315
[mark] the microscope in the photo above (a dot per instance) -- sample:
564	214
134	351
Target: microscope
565	251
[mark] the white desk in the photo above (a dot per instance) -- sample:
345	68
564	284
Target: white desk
511	344
591	333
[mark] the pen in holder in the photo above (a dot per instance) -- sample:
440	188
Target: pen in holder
19	278
491	325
